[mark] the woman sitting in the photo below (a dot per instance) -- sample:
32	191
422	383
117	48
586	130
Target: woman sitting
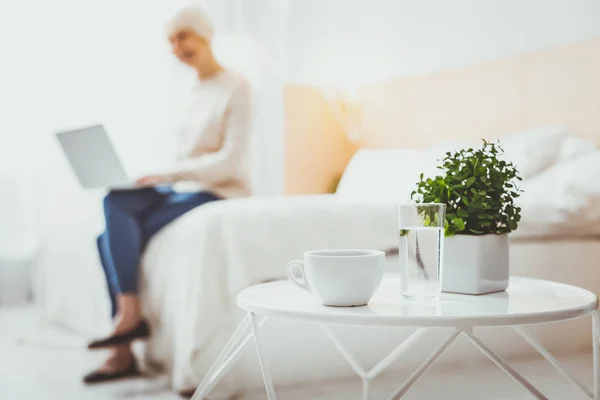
213	144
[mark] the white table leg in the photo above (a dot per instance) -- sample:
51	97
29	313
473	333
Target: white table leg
596	352
429	361
504	366
353	363
242	329
264	367
367	377
408	343
226	359
551	359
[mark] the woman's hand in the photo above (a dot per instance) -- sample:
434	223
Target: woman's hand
151	180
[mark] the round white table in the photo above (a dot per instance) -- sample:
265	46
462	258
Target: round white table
526	301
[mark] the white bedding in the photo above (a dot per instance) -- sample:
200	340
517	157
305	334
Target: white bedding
563	200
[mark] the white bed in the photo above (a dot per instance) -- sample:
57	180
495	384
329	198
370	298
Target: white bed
194	267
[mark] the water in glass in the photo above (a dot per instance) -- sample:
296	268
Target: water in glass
420	251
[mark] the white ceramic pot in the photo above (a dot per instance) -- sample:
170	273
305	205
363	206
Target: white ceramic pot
475	264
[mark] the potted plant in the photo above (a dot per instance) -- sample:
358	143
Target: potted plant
479	190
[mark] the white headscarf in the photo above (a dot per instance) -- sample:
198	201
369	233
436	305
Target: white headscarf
191	17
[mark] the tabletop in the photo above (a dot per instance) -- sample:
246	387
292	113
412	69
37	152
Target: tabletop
526	301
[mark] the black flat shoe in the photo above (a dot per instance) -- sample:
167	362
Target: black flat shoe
140	332
101	376
187	394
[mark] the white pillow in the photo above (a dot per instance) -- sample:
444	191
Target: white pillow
533	151
564	200
387	175
573	147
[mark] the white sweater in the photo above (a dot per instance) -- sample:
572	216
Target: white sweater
214	139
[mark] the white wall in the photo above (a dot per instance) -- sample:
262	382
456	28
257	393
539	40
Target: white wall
349	42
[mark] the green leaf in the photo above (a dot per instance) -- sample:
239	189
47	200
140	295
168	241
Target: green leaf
459	224
450	230
471	181
462	213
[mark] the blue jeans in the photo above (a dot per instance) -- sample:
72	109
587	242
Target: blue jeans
132	218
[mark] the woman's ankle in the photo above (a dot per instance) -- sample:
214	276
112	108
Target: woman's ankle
129	313
129	303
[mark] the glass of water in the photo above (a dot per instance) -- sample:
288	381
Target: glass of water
420	245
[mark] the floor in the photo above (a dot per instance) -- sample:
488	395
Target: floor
44	372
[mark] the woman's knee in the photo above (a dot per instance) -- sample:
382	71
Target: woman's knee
118	199
110	200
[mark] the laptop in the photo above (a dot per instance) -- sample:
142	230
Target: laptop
94	159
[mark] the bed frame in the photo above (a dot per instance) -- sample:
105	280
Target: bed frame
553	87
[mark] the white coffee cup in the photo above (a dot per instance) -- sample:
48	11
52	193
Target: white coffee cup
340	278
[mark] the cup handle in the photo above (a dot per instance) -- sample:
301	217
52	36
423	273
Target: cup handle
300	282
